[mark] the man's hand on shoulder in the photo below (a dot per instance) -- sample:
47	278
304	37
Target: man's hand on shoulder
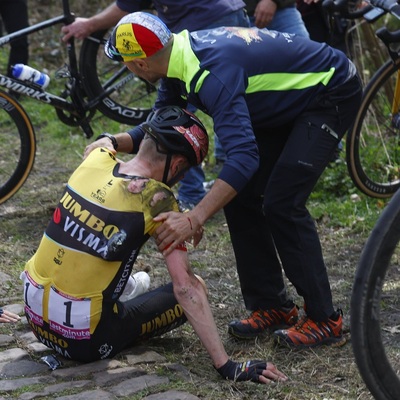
103	142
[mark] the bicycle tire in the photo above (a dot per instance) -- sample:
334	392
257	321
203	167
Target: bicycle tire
375	307
372	144
17	144
131	100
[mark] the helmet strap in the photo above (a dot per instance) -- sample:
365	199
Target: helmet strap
166	168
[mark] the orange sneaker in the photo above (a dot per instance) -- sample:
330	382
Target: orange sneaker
308	333
260	321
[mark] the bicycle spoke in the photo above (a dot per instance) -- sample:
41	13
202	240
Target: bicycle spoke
17	146
373	144
125	94
389	315
379	147
10	149
375	307
125	97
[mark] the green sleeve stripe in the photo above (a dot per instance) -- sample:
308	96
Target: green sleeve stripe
200	81
280	81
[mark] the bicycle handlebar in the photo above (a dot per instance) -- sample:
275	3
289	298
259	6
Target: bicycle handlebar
69	17
387	36
375	9
342	7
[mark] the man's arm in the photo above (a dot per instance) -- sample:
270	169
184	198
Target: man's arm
191	295
179	227
124	141
233	126
83	27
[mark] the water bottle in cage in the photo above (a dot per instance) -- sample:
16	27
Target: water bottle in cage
29	74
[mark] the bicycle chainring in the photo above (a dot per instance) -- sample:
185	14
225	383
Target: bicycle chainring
73	120
70	119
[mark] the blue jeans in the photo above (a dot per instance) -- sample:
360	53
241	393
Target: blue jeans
287	20
191	189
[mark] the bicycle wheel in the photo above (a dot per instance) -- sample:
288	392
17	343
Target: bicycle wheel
372	144
17	146
363	47
129	98
375	307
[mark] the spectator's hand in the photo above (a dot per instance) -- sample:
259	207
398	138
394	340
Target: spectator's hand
254	370
311	1
103	142
8	316
264	13
176	228
79	29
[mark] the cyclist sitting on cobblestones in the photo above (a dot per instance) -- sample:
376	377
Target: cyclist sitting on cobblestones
74	282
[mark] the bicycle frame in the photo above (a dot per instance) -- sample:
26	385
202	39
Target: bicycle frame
391	39
372	153
92	84
28	88
396	97
77	107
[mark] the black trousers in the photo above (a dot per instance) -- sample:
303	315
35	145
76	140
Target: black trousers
121	325
269	223
14	15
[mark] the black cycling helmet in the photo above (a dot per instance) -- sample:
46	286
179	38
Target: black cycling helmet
178	131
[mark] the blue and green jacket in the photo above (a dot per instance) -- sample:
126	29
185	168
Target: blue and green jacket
245	79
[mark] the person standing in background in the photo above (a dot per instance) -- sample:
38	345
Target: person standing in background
276	15
323	27
14	15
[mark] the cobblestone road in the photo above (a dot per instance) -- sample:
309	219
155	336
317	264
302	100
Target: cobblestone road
24	376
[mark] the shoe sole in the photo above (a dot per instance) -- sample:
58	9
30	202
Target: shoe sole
333	342
249	336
